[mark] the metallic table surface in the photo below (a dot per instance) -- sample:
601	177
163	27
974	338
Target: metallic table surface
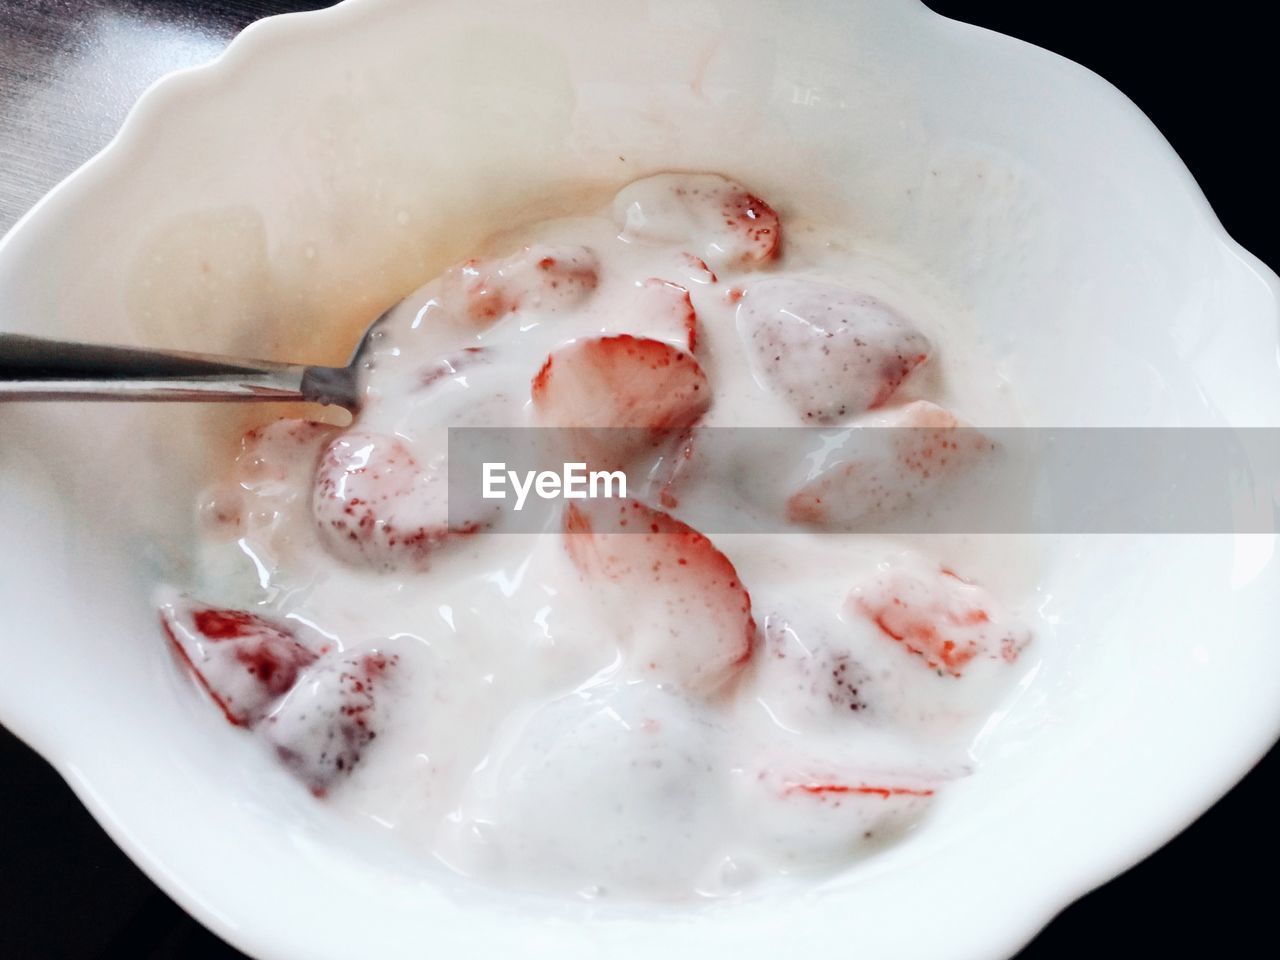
71	69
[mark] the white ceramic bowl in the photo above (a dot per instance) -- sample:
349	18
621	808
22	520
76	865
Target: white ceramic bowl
275	201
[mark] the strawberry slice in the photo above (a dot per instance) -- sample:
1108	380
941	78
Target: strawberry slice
452	365
818	788
246	662
940	618
664	308
809	665
695	626
696	269
621	381
375	506
829	351
270	451
600	386
888	661
721	222
260	497
922	446
813	814
322	729
539	277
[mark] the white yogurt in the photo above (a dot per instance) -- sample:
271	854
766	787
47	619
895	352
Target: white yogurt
582	720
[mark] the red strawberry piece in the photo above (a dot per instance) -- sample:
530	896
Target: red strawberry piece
688	615
829	351
284	435
540	277
273	451
620	395
720	221
807	664
275	461
813	813
855	788
245	661
946	622
921	447
818	674
621	381
696	269
376	506
334	712
661	305
452	365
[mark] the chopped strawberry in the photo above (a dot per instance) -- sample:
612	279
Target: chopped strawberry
696	269
259	498
330	717
816	669
451	365
285	434
945	621
722	222
272	451
621	381
661	305
809	812
285	681
922	446
887	661
540	277
694	625
820	675
829	351
376	506
245	661
603	385
857	788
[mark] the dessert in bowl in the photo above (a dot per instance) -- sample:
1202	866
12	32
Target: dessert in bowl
329	164
606	700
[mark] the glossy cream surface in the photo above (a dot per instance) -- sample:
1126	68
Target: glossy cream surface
547	721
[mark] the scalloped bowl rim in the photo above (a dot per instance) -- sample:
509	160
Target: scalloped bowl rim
1040	895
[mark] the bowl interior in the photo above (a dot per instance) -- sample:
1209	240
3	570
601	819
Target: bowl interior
276	202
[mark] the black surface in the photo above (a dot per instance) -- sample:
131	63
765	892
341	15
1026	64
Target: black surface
1208	81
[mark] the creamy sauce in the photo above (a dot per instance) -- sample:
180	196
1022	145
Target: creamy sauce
544	717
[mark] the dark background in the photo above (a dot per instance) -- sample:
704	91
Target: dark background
69	70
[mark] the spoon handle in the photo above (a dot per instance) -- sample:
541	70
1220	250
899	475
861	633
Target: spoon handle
33	368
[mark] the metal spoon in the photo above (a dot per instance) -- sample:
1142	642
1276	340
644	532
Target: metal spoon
33	368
